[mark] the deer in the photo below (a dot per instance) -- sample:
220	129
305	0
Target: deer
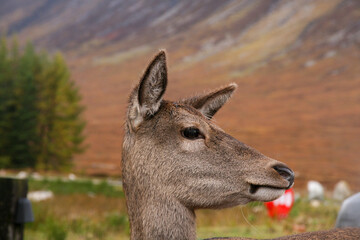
176	160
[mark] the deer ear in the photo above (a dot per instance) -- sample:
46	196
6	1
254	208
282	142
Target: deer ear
146	98
210	103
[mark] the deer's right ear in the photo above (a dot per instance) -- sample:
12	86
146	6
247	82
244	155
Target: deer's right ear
146	98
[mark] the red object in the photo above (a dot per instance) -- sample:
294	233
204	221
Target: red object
280	208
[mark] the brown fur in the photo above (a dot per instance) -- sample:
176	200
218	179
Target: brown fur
167	176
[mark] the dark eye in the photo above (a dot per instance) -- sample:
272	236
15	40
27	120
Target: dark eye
192	133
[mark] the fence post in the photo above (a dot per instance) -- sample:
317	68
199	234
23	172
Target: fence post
11	190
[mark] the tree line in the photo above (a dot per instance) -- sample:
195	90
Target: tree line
40	110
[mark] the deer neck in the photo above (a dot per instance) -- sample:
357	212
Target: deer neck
157	216
153	213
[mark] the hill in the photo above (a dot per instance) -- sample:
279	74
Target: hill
296	64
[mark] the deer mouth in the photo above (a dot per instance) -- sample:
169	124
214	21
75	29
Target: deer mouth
254	188
265	193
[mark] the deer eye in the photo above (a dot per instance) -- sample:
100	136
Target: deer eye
192	133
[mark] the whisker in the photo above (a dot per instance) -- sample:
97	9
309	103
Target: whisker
247	221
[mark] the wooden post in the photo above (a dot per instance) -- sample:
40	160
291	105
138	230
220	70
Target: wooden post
11	189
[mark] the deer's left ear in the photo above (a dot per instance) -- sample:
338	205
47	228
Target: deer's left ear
210	103
146	98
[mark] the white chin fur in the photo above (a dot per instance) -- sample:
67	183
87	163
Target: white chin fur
266	194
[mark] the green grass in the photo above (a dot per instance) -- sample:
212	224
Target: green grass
252	220
83	210
55	219
61	187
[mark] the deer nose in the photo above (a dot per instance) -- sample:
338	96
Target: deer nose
286	173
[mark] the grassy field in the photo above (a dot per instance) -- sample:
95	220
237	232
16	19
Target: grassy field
86	210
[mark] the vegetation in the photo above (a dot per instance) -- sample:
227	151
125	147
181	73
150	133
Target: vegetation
40	112
87	186
252	220
84	210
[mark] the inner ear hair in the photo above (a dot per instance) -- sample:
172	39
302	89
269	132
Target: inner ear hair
208	104
146	97
154	81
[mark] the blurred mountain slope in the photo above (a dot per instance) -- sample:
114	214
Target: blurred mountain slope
296	63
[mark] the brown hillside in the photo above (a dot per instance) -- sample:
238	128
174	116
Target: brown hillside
296	64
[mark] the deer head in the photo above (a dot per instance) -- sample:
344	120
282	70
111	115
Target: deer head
175	155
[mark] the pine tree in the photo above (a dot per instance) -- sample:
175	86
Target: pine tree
23	135
40	111
5	72
61	126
